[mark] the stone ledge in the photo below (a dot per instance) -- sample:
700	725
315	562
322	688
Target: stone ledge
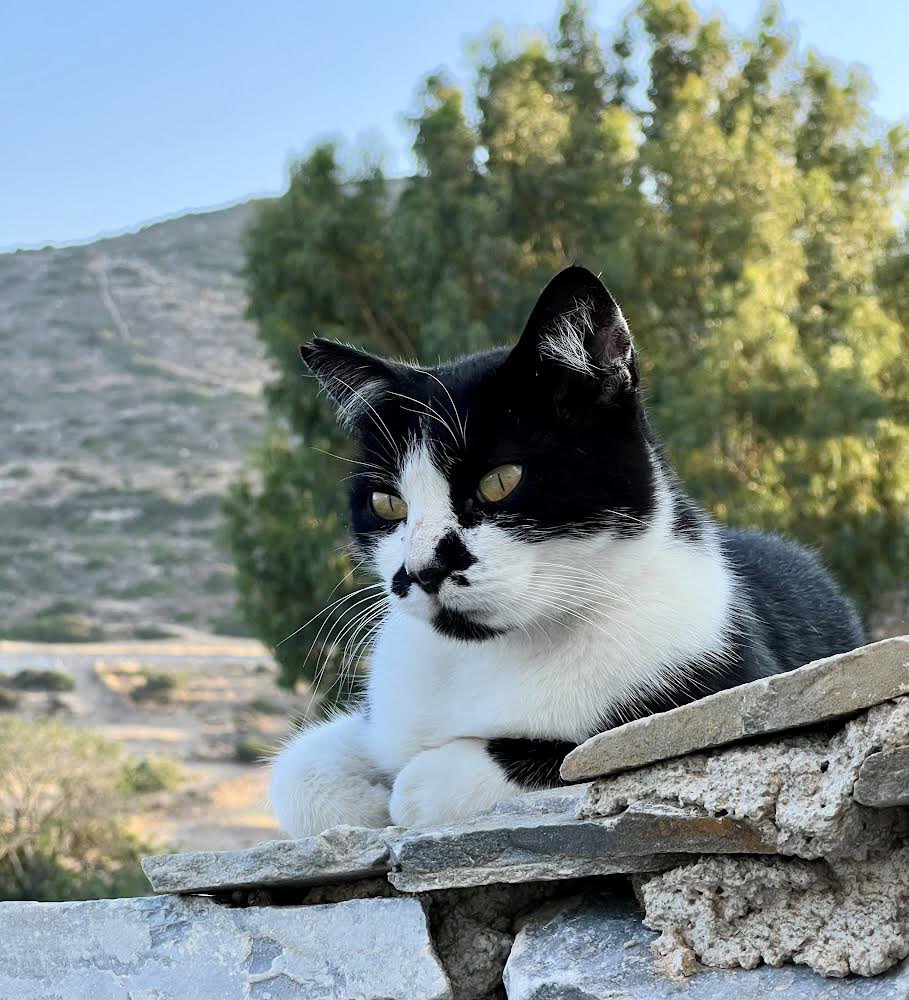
344	853
189	948
831	688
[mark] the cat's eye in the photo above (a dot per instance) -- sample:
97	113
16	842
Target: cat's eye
497	484
388	506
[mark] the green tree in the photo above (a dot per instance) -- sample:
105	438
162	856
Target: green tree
741	203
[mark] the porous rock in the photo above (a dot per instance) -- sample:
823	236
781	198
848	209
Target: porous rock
344	853
835	917
593	947
473	930
797	791
834	687
187	948
883	779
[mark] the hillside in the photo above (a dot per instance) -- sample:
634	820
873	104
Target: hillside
130	391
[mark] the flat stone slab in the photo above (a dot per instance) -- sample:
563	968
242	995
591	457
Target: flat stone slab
594	948
884	779
825	689
189	948
519	848
342	854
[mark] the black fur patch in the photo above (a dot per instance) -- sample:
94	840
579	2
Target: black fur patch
457	626
400	583
530	763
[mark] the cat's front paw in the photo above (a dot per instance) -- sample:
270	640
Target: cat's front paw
323	778
447	784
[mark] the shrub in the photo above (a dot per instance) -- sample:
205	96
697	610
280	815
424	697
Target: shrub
157	686
8	700
62	801
152	774
51	625
42	680
250	750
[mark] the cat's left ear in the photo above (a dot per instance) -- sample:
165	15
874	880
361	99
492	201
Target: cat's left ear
576	324
354	379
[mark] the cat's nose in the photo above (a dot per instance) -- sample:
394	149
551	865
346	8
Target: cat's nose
429	577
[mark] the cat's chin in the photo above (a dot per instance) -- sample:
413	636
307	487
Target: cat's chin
458	625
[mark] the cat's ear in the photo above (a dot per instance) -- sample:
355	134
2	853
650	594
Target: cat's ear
354	379
577	325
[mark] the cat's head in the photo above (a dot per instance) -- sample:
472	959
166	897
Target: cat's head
489	487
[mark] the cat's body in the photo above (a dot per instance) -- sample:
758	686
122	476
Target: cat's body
579	590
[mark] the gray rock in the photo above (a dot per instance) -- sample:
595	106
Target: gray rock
884	779
176	948
344	853
516	848
825	689
594	948
795	792
835	917
550	801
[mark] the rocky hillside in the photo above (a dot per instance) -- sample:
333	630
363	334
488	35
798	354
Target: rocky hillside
129	393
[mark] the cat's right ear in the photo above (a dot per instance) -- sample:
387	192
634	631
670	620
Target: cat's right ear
354	379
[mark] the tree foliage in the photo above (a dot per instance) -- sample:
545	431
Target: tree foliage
742	204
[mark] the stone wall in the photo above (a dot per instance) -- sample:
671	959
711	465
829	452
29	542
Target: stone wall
753	843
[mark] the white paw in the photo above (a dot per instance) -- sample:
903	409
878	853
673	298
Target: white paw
447	784
323	778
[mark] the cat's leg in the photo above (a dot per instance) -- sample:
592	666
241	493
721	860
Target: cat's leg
325	777
466	777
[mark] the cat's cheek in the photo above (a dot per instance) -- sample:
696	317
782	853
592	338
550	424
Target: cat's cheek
447	784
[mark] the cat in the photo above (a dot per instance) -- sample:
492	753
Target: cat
543	574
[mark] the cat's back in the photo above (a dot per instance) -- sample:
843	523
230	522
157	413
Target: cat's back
800	611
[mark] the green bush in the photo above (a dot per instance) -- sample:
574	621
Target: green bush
59	622
251	750
62	806
152	774
9	701
149	632
41	680
156	686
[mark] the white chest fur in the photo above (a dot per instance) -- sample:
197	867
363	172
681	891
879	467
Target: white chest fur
425	690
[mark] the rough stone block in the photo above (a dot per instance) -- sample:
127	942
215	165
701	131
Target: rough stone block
344	853
187	948
830	688
835	917
883	779
594	948
796	793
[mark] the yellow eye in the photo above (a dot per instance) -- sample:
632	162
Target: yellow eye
389	507
496	485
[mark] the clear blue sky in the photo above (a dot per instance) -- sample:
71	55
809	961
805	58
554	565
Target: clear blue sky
117	113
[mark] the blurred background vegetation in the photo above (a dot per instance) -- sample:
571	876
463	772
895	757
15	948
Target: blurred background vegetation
744	208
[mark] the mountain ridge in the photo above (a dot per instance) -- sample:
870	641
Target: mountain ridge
131	392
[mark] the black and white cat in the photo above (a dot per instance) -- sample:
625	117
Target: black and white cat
546	576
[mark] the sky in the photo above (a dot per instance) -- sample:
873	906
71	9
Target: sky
114	114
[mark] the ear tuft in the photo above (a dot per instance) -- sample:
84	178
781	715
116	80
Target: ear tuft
577	324
353	379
